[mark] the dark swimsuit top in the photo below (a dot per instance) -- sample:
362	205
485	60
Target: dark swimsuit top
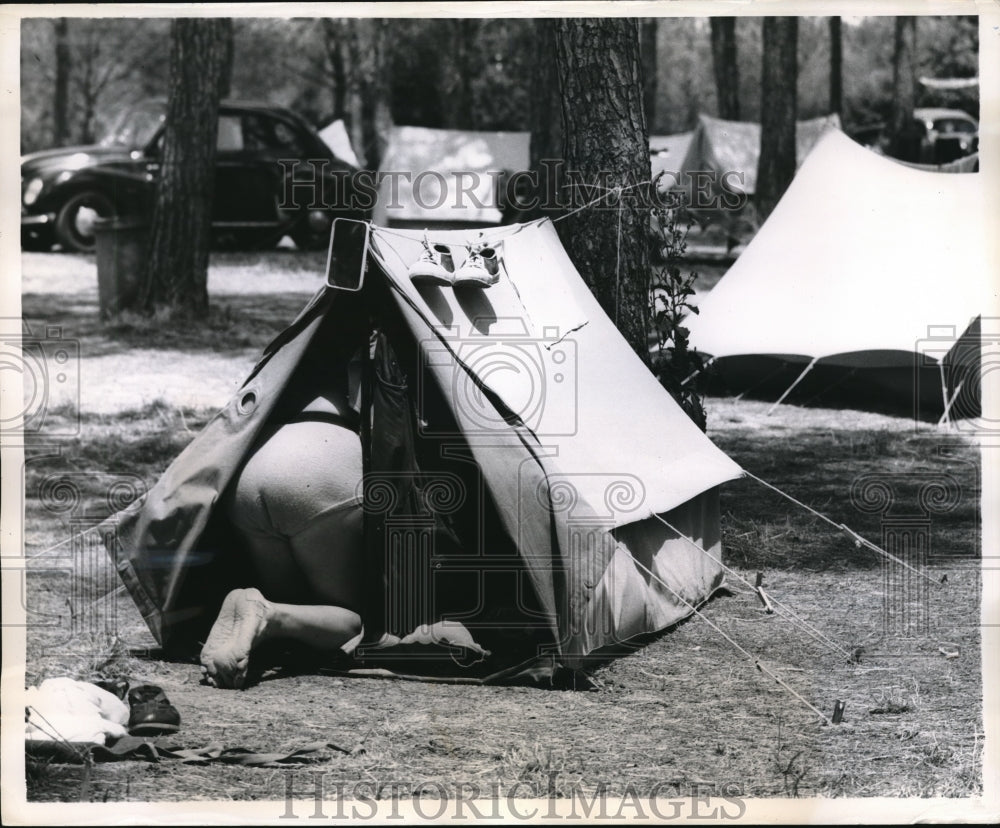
328	393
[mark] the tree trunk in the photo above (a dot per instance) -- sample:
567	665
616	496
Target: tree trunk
334	36
228	45
776	167
546	124
177	268
649	29
367	98
727	79
904	139
60	98
605	142
836	68
457	70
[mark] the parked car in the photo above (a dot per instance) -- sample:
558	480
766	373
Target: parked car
64	190
946	134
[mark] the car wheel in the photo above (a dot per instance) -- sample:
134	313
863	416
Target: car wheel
75	222
312	232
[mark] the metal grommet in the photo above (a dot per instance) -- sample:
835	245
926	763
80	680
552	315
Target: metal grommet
247	401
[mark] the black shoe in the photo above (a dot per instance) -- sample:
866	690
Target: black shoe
116	687
151	713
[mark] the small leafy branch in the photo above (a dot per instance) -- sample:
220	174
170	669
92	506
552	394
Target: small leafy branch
674	364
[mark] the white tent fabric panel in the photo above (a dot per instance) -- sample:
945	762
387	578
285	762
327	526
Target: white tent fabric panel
863	262
446	175
542	343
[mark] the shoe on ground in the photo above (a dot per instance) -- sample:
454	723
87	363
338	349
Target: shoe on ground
151	714
481	268
434	267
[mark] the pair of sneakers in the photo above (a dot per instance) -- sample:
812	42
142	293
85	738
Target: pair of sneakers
436	266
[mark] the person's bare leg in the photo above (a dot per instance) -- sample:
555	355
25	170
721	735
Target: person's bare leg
247	619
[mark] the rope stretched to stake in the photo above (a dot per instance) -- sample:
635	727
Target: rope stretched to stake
858	539
753	659
803	624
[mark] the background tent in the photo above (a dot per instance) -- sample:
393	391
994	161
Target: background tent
453	176
335	136
866	269
667	152
734	146
553	492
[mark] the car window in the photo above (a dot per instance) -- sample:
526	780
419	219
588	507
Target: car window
263	133
954	125
230	137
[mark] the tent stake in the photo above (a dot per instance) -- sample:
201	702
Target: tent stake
693	374
790	387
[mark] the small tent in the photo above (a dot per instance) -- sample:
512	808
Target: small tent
867	273
666	152
446	177
335	136
720	147
513	488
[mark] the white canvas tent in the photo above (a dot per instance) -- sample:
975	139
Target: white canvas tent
335	136
721	146
864	264
445	177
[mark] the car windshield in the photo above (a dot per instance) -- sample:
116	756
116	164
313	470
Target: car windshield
135	127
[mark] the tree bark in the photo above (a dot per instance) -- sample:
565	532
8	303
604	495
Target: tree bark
726	68
60	98
367	97
546	124
778	110
648	30
334	36
228	45
605	142
457	70
177	269
904	140
836	68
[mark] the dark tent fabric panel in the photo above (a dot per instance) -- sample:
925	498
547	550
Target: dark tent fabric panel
155	539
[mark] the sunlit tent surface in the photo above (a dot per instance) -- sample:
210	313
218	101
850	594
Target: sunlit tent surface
446	177
540	493
335	136
720	147
668	151
865	264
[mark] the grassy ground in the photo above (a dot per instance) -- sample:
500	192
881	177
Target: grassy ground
688	711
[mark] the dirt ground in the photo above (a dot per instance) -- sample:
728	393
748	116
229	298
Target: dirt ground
688	711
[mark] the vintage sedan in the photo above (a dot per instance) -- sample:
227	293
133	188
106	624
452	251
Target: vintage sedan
274	176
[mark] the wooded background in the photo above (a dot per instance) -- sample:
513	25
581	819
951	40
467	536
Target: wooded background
78	74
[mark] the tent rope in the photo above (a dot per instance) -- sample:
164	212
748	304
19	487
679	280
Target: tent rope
804	625
846	530
618	256
753	659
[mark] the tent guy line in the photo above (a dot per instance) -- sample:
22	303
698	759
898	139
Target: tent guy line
753	659
804	625
843	527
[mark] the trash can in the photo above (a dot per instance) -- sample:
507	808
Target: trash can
121	246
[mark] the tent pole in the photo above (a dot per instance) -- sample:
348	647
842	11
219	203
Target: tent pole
788	390
948	403
693	374
944	394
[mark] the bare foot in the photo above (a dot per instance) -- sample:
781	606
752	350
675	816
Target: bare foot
241	624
